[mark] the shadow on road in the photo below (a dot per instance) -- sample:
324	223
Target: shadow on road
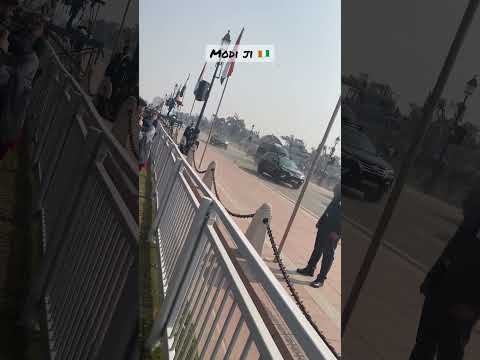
276	271
293	280
264	177
351	193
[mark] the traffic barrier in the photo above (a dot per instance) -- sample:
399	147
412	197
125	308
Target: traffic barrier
257	232
86	191
208	177
194	266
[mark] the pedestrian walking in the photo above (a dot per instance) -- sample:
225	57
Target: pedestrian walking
452	296
148	125
328	236
188	141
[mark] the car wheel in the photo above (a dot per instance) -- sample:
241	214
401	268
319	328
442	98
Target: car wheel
296	185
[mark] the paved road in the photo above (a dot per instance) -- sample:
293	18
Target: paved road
315	200
392	294
420	226
430	222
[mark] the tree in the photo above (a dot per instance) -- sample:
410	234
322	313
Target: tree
232	126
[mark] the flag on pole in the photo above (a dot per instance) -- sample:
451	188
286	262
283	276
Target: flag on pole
199	78
181	92
228	70
184	87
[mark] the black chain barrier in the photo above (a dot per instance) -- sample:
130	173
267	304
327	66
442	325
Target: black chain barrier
231	213
195	165
292	289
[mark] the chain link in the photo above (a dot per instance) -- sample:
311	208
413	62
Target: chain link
231	213
195	165
292	289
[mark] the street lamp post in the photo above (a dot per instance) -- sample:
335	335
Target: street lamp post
470	88
225	42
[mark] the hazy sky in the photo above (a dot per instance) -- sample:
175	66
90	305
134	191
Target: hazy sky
415	37
294	95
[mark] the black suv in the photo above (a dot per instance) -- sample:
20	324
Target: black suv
269	148
281	168
362	166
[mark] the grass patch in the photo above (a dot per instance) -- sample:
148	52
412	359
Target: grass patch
150	270
20	250
149	281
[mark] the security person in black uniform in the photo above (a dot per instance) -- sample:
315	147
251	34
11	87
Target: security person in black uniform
452	291
328	235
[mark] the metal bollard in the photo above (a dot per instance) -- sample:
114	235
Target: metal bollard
257	231
208	177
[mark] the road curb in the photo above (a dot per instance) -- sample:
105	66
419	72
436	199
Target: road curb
388	245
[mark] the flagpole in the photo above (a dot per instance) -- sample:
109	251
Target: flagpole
193	104
309	176
213	122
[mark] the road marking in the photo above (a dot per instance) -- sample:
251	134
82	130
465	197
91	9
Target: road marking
312	214
387	245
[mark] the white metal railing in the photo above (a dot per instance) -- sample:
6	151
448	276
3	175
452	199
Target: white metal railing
86	190
196	271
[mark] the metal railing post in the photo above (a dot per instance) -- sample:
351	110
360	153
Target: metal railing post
162	201
183	273
40	281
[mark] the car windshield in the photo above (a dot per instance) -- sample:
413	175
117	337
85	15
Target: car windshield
288	164
358	140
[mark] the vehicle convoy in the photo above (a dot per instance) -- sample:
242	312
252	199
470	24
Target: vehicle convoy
281	168
363	167
220	141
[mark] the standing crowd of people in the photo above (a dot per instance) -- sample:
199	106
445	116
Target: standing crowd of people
21	47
